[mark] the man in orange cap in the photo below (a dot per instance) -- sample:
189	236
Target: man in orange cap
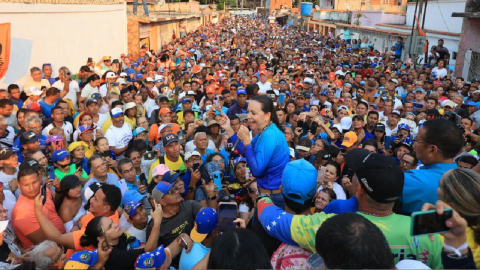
164	117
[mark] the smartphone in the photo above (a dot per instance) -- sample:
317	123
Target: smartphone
184	242
281	98
149	155
316	261
216	101
217	180
418	105
300	123
196	166
44	193
227	213
313	128
429	222
106	154
321	174
387	142
114	83
51	172
204	173
212	167
151	201
105	237
248	174
142	179
78	165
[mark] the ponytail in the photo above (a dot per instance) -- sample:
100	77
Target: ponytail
93	230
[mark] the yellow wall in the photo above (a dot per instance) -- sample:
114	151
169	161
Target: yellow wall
372	5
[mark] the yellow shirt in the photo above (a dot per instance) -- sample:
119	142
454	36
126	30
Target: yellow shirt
473	246
43	82
178	166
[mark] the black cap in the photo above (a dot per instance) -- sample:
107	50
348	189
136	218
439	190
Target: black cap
333	151
188	111
433	112
28	137
356	116
169	138
408	146
380	176
323	154
380	126
29	162
304	144
5	153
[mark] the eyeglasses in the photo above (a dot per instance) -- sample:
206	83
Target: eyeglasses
60	254
407	162
427	143
228	197
220	161
172	190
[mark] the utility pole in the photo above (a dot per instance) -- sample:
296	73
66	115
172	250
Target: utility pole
415	32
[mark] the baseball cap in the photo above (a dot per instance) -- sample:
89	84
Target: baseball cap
82	260
5	153
165	111
420	90
33	91
162	126
185	100
85	128
346	123
403	126
396	112
323	154
59	155
132	196
206	222
90	190
343	107
28	137
151	260
338	127
110	74
138	130
74	145
148	79
138	76
356	116
349	139
380	126
169	138
238	160
241	91
130	208
89	101
161	189
449	103
160	169
29	162
130	105
304	144
292	152
379	175
470	103
299	191
170	177
115	112
190	154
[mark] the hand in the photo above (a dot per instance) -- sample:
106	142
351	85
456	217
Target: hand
244	134
240	223
347	184
310	135
298	131
142	189
187	239
56	183
209	188
360	136
224	121
327	184
103	252
13	184
38	203
196	176
79	172
157	214
458	225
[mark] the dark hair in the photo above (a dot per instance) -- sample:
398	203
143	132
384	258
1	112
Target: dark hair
25	171
12	87
113	196
56	108
468	159
92	231
350	241
372	112
117	103
211	156
92	78
415	159
296	207
129	153
225	92
234	117
97	140
85	69
445	135
123	161
52	91
92	158
238	249
139	145
370	142
330	192
267	107
334	164
5	102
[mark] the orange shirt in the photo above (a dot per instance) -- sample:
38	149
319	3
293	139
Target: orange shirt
25	222
153	135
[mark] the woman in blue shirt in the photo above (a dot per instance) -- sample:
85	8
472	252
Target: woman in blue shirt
267	154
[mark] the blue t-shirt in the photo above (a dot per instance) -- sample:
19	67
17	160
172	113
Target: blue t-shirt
399	49
46	108
342	206
204	157
198	252
112	179
420	186
346	34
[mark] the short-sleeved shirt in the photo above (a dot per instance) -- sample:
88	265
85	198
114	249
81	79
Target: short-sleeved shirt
196	254
84	221
25	222
47	108
60	175
119	137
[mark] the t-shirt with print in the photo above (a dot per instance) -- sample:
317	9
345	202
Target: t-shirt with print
182	222
119	137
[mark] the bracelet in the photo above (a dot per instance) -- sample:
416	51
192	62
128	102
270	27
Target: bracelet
456	250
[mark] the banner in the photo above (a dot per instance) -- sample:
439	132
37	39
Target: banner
4	48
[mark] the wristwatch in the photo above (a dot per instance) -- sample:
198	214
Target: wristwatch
191	189
213	198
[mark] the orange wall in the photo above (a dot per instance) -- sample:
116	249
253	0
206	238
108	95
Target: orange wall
275	4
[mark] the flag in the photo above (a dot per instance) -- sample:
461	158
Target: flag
4	48
420	31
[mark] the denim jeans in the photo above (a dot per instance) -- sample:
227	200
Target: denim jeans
145	7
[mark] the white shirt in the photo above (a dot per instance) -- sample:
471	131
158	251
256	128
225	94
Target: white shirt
264	87
119	137
104	90
338	191
141	235
101	118
9	202
440	72
388	131
5	179
88	90
148	105
73	89
190	146
9	138
67	130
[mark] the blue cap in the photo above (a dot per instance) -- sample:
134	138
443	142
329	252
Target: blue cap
295	190
471	103
288	93
205	222
59	155
84	128
139	76
238	160
151	260
82	260
186	100
349	84
130	71
135	64
130	208
132	196
404	126
160	190
115	112
170	177
96	96
324	92
241	91
138	130
362	82
420	90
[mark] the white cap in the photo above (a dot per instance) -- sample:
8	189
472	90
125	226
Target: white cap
411	264
191	92
110	74
309	80
343	107
449	103
292	152
162	126
338	126
148	79
33	91
190	154
123	74
291	67
346	123
121	81
396	112
476	92
159	78
130	105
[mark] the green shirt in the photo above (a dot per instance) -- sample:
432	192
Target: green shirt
60	175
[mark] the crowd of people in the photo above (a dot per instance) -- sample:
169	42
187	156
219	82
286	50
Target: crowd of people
324	147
